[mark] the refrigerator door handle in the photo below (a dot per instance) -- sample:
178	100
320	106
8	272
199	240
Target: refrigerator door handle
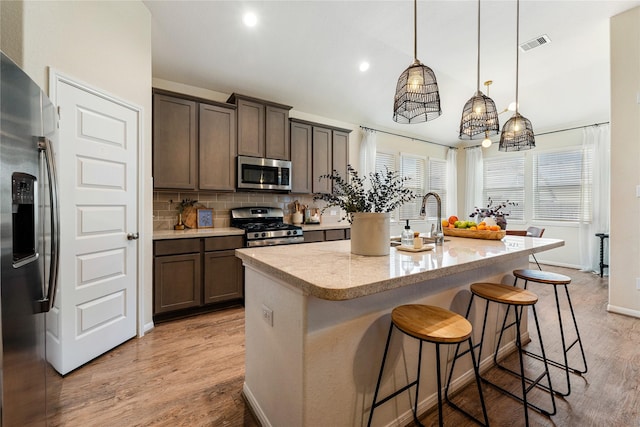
44	146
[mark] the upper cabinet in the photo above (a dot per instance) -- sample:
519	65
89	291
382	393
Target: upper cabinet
263	127
175	142
316	150
194	143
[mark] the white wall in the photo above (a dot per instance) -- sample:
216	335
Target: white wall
106	45
625	163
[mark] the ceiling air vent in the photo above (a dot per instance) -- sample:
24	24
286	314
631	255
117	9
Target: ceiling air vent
538	41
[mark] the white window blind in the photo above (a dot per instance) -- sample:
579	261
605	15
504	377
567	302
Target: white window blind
438	184
412	167
504	181
384	162
562	183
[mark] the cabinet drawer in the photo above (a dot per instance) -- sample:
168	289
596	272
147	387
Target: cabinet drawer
176	246
222	243
334	234
313	236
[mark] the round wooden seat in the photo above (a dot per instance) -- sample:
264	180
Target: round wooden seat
542	277
504	294
430	323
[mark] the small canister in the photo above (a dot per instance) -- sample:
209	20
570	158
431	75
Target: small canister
417	240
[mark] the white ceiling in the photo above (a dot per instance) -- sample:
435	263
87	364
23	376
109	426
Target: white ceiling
307	53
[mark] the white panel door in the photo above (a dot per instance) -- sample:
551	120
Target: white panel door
95	306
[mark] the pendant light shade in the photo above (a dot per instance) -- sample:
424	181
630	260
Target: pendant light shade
517	133
417	98
479	115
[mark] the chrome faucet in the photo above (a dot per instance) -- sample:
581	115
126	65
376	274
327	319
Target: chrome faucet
439	237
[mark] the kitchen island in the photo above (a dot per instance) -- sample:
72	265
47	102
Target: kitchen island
316	319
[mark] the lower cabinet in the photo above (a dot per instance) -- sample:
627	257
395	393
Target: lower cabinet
326	235
192	275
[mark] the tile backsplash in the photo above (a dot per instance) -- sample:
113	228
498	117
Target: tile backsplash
165	215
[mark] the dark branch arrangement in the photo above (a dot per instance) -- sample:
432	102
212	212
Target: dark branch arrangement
491	210
386	193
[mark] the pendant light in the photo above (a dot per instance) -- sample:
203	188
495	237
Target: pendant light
417	98
517	132
479	115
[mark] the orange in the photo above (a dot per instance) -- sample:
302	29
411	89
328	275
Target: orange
494	228
453	219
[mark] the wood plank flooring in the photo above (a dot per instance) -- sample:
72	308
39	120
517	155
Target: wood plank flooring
190	372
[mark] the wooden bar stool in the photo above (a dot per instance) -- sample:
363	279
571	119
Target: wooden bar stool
438	326
515	298
555	279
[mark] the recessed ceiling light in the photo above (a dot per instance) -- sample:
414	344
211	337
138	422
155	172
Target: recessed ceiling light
364	66
250	19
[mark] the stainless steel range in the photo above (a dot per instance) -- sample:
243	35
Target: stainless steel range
265	226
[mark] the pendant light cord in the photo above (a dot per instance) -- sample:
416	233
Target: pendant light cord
415	30
517	48
478	76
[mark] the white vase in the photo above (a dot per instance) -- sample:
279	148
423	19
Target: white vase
370	234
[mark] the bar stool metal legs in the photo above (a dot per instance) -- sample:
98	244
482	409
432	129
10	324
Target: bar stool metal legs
425	324
516	300
558	280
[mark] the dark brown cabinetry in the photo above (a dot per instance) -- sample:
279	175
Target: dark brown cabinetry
191	275
301	155
194	143
263	127
317	150
327	235
175	143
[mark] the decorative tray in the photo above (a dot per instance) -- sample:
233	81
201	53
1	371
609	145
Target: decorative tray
412	249
475	234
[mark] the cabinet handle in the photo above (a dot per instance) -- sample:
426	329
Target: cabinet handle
133	236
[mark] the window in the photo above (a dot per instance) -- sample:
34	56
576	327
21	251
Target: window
504	181
412	167
562	185
437	183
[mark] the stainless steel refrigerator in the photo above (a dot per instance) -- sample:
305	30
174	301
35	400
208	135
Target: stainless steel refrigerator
29	243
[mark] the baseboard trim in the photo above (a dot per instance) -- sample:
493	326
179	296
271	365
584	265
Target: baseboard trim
623	310
254	407
147	327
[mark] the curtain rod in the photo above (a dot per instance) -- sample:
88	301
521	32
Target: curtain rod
554	131
407	137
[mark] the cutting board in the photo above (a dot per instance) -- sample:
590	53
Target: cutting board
190	217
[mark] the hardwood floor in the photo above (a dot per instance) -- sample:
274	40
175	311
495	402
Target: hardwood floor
190	372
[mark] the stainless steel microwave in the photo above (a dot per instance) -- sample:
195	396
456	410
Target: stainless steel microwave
263	174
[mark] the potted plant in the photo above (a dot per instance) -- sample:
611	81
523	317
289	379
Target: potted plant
367	207
497	212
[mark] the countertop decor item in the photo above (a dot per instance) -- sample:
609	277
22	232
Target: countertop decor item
479	115
205	218
367	207
417	98
185	207
497	212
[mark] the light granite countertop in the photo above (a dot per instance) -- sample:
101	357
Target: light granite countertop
330	226
197	232
328	270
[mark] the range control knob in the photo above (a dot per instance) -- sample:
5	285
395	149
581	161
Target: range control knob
264	234
256	235
289	233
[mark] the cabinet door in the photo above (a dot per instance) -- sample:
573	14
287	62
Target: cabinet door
222	277
175	143
277	133
340	152
217	148
334	235
322	159
177	282
250	128
301	137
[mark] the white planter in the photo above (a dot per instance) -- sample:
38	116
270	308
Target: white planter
370	234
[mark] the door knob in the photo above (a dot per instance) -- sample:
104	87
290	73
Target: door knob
133	236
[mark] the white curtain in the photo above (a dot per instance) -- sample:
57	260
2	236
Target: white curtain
367	153
473	182
596	138
451	181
